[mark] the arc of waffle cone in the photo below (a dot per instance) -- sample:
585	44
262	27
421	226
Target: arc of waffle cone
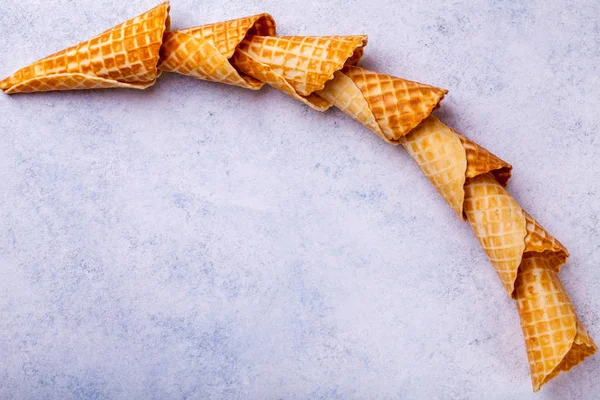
123	56
454	164
525	256
204	52
554	338
297	65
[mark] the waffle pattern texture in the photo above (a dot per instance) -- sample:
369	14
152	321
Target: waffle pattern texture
526	257
125	56
321	72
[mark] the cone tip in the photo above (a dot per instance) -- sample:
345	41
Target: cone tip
5	84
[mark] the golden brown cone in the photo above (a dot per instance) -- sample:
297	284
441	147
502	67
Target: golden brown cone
398	105
554	338
124	56
297	65
203	52
499	224
506	231
442	158
447	158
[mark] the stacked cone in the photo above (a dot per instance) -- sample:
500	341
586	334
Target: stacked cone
318	71
321	72
525	256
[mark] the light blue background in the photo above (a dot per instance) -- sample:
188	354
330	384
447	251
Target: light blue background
202	241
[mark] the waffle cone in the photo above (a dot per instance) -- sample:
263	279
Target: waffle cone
447	158
124	56
204	52
298	65
499	224
389	106
555	339
506	231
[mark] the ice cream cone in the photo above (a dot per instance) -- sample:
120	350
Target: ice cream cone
555	340
499	224
297	65
447	158
204	52
395	105
506	231
124	56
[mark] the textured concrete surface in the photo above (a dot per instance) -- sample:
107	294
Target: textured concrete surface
202	241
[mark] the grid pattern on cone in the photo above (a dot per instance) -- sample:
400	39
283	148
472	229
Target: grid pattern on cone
553	339
398	105
203	52
227	35
305	62
343	93
447	158
263	73
583	346
126	53
499	224
480	161
188	55
440	155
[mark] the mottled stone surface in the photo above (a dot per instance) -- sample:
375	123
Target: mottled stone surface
200	241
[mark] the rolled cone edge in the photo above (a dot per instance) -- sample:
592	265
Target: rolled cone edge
85	82
353	55
481	161
227	35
